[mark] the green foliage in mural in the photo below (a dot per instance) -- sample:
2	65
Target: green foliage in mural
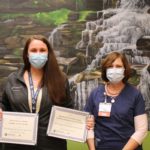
134	80
83	15
46	18
55	17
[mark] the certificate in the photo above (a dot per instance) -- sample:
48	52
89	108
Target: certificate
68	124
19	128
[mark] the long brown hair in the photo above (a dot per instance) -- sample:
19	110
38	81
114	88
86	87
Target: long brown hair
110	58
53	78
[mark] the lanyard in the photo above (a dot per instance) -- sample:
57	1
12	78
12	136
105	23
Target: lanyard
34	95
105	100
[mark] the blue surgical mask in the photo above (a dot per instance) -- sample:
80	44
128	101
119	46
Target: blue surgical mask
115	75
38	60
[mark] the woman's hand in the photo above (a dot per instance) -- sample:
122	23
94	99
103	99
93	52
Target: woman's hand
90	122
1	114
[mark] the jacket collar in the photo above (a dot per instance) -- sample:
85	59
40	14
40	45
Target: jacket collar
20	74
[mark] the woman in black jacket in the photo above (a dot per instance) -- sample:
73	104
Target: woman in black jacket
35	88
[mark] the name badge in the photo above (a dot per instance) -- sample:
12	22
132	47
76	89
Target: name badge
104	109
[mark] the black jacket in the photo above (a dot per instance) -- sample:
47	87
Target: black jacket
15	98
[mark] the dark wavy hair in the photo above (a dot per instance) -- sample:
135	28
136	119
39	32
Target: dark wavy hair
110	58
53	78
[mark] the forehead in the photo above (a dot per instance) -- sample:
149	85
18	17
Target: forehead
118	61
37	44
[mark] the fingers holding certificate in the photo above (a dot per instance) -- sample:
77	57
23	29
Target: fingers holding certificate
67	123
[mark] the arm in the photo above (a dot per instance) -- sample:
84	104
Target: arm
90	142
131	145
90	139
141	127
4	104
90	136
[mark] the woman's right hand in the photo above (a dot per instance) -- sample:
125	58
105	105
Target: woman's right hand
90	122
1	114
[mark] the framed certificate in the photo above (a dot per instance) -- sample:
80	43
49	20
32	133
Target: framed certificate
19	128
68	124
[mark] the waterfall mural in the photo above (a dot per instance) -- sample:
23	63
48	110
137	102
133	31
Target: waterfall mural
82	33
125	28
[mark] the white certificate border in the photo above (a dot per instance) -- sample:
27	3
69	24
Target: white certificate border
71	111
17	141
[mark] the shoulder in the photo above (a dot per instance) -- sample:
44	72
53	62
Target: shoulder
18	74
132	89
12	75
8	83
133	93
97	90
